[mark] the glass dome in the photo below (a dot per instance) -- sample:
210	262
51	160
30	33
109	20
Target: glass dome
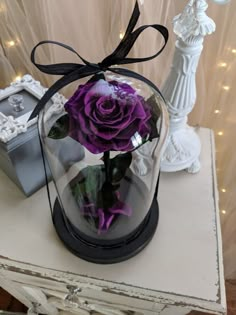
104	149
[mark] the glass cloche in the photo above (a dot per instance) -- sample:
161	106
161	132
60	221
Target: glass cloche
104	149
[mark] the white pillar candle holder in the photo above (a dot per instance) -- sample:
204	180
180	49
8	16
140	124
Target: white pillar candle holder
183	145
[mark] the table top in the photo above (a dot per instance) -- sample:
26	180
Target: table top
183	259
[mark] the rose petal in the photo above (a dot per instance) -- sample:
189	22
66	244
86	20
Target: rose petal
121	208
98	119
122	145
106	132
144	130
83	124
79	93
94	144
105	106
109	220
123	87
107	115
139	111
88	209
101	217
89	106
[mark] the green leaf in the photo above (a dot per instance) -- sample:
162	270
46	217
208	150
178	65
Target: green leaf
119	166
90	184
156	113
87	183
60	129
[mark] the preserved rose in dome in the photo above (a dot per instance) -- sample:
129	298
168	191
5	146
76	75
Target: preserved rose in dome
104	149
104	152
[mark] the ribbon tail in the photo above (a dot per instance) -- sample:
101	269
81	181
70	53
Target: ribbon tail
123	49
133	20
119	54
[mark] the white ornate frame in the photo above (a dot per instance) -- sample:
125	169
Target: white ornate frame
11	127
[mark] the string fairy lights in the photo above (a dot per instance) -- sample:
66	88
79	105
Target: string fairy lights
18	78
2	8
121	35
11	43
222	64
226	87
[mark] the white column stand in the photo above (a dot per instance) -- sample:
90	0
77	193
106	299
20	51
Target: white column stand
183	145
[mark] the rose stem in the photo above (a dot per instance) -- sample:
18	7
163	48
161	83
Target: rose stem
107	164
107	184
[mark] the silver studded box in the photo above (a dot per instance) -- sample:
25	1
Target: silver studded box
20	153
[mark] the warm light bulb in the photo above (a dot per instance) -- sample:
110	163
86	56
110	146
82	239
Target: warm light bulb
18	78
217	111
11	43
233	51
2	8
220	133
222	64
121	35
223	190
223	211
226	87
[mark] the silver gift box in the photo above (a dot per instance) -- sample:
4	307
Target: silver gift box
20	153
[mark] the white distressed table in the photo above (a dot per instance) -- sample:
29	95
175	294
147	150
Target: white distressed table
179	271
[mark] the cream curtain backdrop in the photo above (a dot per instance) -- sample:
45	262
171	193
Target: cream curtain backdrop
93	28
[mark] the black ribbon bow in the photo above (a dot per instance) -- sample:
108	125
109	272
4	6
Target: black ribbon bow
74	71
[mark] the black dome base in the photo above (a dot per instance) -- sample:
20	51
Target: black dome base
100	254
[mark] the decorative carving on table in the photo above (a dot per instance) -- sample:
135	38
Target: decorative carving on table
183	147
77	304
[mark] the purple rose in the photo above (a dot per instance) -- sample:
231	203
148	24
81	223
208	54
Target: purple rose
106	218
108	116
